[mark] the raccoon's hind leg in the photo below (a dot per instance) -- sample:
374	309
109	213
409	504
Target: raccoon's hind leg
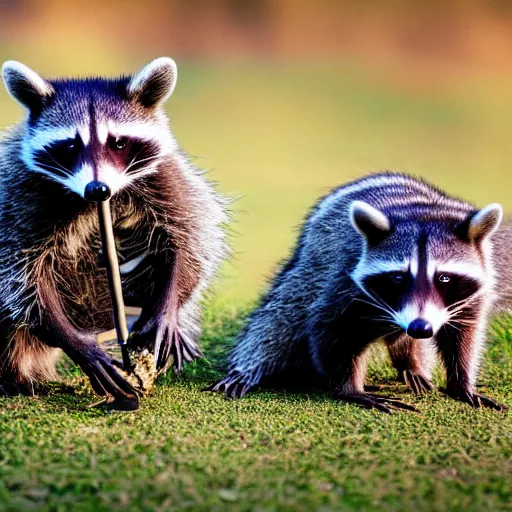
26	362
414	361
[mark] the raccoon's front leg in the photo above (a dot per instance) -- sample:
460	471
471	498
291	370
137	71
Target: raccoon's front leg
349	387
54	328
460	350
414	361
338	350
157	327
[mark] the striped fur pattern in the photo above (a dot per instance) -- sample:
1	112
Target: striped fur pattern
168	222
377	258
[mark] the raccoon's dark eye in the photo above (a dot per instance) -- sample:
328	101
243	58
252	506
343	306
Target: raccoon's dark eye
118	143
398	277
444	279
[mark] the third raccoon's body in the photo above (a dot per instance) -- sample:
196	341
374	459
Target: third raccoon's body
385	257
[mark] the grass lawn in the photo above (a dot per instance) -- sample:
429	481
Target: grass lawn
279	137
272	450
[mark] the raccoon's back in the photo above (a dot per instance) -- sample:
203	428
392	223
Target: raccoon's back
502	259
398	195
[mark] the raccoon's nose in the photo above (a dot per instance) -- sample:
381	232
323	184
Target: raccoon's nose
97	191
420	329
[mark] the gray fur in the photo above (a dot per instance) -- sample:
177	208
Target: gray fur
315	322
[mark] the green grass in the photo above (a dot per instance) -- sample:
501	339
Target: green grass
186	449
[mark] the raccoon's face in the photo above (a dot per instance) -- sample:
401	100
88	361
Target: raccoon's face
95	136
422	276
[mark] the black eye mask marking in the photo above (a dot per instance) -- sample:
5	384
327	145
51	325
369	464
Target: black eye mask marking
130	154
390	287
455	287
60	157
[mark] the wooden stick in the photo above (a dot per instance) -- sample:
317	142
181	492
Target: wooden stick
114	279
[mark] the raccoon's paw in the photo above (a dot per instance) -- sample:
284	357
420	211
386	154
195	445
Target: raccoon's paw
105	380
371	401
233	386
169	346
417	382
476	400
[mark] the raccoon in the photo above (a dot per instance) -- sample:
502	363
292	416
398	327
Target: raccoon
387	257
83	140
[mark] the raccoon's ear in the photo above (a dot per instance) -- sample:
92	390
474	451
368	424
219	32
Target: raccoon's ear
25	85
154	83
369	221
484	222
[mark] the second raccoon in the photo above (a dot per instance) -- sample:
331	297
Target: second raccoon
386	257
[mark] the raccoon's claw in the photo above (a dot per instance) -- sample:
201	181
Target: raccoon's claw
370	401
172	347
106	381
173	344
417	383
233	386
476	400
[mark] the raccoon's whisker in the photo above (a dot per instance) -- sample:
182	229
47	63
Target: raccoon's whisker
137	162
129	166
48	167
460	315
452	313
51	176
376	301
375	304
133	161
463	321
135	177
60	166
142	172
451	324
378	318
457	306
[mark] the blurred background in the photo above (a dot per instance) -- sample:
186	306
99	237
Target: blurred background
281	100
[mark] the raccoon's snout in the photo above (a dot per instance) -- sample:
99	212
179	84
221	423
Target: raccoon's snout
420	329
97	191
